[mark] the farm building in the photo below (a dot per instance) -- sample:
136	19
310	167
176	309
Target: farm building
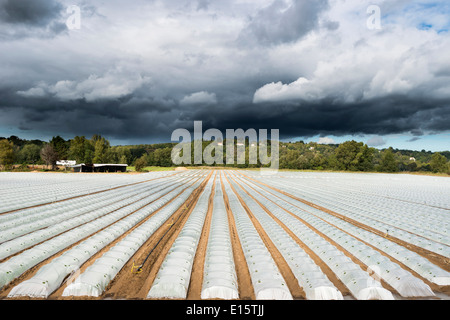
99	167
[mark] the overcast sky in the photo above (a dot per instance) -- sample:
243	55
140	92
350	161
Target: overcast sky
316	70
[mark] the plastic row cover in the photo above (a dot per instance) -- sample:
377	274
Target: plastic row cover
15	266
360	283
18	244
310	277
103	203
72	206
411	259
426	235
172	280
50	276
56	187
219	277
411	215
94	280
387	209
401	280
267	281
373	218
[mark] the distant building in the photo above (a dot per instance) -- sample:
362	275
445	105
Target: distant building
99	167
412	159
66	163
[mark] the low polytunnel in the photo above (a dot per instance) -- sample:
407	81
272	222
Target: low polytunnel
268	283
219	277
93	281
172	280
405	227
87	248
407	285
88	212
313	281
354	278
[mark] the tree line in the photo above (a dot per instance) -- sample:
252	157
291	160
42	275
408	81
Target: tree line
349	156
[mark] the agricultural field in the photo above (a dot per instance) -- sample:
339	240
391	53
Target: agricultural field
224	234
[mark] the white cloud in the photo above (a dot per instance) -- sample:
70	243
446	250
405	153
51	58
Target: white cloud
112	85
356	64
199	98
37	92
278	91
326	140
376	142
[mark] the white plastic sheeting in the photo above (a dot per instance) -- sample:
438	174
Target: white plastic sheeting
50	276
219	277
401	280
21	190
267	280
420	224
172	280
360	283
28	220
406	285
93	281
68	219
18	264
310	277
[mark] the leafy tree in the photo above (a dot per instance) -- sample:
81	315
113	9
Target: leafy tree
7	155
388	162
101	149
354	156
123	160
89	152
140	163
29	154
61	147
162	157
77	149
438	163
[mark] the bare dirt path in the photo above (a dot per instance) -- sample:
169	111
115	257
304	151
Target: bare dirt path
196	281
245	285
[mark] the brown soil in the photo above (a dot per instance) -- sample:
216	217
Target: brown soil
245	285
196	281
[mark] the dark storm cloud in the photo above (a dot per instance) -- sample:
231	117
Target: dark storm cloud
30	18
137	72
132	118
379	117
30	12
